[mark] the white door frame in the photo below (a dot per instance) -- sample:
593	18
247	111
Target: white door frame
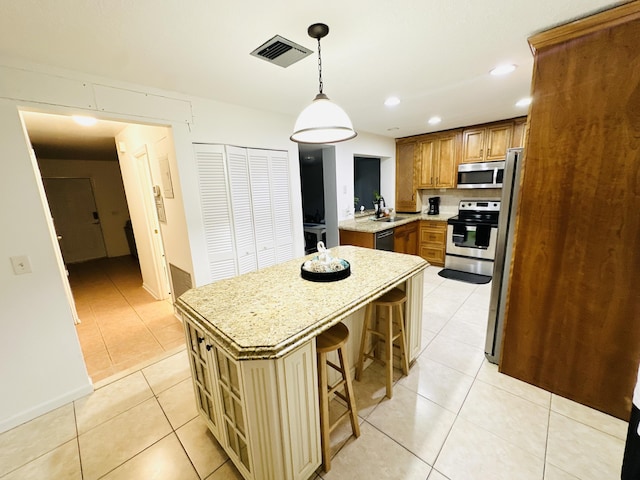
161	284
64	273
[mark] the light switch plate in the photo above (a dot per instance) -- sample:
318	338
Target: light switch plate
21	264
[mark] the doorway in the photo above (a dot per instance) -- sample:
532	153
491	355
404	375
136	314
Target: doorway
75	216
313	205
121	323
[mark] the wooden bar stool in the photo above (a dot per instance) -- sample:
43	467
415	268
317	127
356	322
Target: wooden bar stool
334	338
395	299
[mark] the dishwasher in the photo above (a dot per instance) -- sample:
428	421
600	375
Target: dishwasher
384	240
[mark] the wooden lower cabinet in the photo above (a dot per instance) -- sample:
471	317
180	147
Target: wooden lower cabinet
258	409
433	241
405	239
357	239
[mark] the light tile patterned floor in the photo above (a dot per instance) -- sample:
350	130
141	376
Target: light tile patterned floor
121	325
453	417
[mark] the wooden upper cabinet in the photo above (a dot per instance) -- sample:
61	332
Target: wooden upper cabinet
473	145
431	160
407	197
438	159
488	143
427	155
448	159
519	131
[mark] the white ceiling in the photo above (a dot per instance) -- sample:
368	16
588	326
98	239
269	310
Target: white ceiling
434	55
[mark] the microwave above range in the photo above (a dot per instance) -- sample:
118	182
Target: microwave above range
480	175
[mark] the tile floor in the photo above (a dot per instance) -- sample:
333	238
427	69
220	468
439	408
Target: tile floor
453	417
121	325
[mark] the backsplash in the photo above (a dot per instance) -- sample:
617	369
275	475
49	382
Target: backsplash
450	198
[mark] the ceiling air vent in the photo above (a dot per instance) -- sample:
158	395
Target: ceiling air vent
281	51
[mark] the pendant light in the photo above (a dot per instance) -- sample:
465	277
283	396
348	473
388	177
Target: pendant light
323	121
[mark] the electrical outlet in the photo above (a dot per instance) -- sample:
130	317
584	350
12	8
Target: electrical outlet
21	264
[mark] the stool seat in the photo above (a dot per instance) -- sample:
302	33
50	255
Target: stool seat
334	339
393	300
392	297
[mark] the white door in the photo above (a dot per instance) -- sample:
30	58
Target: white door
281	198
75	217
240	190
263	218
216	211
158	282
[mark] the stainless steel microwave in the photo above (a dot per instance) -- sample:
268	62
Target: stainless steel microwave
480	175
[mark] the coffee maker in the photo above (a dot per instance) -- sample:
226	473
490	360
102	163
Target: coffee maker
434	206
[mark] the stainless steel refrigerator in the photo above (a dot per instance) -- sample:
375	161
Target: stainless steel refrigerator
504	248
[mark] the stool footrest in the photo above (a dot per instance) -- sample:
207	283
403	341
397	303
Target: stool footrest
332	340
390	329
333	388
333	426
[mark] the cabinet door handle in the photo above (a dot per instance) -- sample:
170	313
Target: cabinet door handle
209	347
200	339
488	152
481	152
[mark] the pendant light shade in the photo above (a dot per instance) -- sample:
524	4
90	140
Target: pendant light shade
322	121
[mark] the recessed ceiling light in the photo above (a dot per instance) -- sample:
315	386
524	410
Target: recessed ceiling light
84	120
392	101
434	120
523	102
502	69
392	129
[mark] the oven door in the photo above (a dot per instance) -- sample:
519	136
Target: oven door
464	240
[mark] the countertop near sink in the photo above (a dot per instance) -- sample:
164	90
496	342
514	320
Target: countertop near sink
365	224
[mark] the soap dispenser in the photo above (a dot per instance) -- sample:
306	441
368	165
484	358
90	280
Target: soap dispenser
381	207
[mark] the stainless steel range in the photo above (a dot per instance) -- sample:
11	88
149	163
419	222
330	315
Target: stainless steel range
472	237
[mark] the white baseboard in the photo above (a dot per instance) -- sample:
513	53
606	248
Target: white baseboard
45	407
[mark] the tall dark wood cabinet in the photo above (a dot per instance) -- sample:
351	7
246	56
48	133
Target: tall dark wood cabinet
573	317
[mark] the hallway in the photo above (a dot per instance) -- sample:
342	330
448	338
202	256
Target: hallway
121	325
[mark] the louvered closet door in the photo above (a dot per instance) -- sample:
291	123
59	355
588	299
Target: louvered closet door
281	201
264	219
239	187
216	213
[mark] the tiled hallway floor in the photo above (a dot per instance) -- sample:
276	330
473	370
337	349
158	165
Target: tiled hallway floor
121	325
453	417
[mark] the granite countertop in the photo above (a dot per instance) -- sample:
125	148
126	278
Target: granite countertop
267	313
365	224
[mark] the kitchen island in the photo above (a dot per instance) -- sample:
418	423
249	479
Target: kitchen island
251	345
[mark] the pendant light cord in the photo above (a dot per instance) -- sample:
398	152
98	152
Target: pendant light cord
319	67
